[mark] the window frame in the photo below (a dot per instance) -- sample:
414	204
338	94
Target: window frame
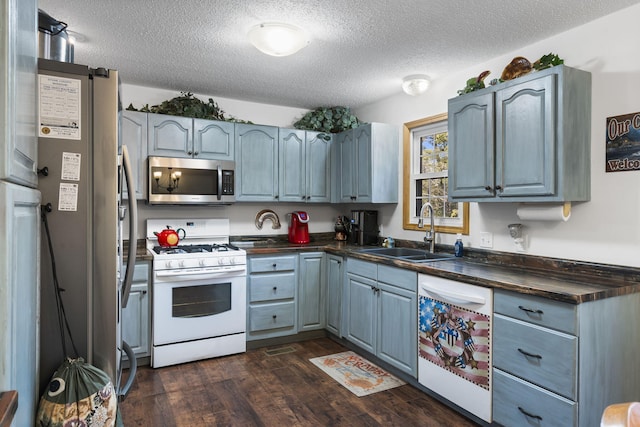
408	205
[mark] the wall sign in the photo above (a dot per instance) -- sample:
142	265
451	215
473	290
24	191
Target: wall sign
623	143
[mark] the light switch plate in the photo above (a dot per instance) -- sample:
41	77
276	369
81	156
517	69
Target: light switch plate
486	240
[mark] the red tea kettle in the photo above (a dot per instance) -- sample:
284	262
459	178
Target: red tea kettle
169	237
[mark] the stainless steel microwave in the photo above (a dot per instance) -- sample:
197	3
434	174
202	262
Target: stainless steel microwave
178	181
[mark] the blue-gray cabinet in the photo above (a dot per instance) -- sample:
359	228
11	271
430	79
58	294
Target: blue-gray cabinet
311	291
175	136
271	293
366	164
136	316
304	170
18	76
133	128
382	312
524	140
556	363
334	286
256	153
20	287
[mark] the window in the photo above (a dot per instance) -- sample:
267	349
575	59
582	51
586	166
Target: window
426	163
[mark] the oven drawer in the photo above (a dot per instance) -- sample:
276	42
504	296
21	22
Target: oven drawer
542	356
269	287
541	311
271	316
275	263
518	403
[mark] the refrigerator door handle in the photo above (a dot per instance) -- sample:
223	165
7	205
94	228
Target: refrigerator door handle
133	367
133	227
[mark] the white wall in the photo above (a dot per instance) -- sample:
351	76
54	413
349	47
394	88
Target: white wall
606	229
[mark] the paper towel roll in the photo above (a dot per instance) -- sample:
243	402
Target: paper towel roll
544	212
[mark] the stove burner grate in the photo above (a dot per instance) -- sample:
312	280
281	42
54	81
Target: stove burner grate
190	249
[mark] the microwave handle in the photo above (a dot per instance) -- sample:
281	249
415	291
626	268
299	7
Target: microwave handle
219	182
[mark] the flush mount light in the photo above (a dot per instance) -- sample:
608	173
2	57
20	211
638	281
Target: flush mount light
278	39
416	84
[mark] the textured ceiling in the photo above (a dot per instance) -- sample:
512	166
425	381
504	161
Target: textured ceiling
359	53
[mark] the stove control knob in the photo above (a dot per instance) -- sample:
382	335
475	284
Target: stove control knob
201	263
181	264
221	261
168	264
232	261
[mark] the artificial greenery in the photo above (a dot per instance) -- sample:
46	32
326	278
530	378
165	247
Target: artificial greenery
328	119
188	105
547	61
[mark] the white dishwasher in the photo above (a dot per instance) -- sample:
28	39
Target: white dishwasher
454	342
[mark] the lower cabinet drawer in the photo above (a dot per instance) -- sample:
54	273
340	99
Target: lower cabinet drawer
271	316
542	356
276	263
274	286
518	403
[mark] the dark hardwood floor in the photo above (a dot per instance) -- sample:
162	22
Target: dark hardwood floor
256	389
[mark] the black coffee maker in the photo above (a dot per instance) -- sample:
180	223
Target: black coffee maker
364	227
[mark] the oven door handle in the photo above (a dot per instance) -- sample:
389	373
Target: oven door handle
453	296
177	273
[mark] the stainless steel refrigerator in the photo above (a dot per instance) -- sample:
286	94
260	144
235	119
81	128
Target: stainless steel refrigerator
83	169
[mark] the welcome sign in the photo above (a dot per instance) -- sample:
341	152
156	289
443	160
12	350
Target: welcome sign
623	143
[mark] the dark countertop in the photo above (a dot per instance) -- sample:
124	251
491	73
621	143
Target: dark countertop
562	280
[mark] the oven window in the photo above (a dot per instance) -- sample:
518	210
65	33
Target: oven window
201	300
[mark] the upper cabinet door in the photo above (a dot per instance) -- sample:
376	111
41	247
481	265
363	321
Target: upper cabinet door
170	136
525	138
318	166
213	140
471	146
346	154
291	168
256	149
133	125
18	111
362	139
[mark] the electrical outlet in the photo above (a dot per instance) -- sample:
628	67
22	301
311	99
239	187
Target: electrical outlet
486	240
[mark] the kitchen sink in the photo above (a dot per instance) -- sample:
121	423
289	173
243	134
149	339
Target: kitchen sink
408	254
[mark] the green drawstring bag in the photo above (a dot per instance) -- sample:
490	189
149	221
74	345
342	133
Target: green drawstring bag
79	395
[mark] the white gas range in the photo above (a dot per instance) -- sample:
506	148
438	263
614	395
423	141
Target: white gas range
199	292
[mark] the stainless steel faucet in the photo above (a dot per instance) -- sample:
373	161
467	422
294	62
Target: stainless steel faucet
430	236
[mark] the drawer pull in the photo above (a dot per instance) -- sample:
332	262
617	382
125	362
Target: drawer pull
275	289
274	317
537	417
275	265
536	356
530	310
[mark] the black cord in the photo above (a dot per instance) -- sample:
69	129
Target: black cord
62	316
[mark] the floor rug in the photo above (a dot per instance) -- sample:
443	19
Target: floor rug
356	374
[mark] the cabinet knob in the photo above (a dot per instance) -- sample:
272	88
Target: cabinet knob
488	188
275	265
276	197
275	289
196	153
274	317
303	197
498	187
308	197
144	292
189	152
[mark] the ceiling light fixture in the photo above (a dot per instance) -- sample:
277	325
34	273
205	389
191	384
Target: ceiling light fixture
415	85
278	39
